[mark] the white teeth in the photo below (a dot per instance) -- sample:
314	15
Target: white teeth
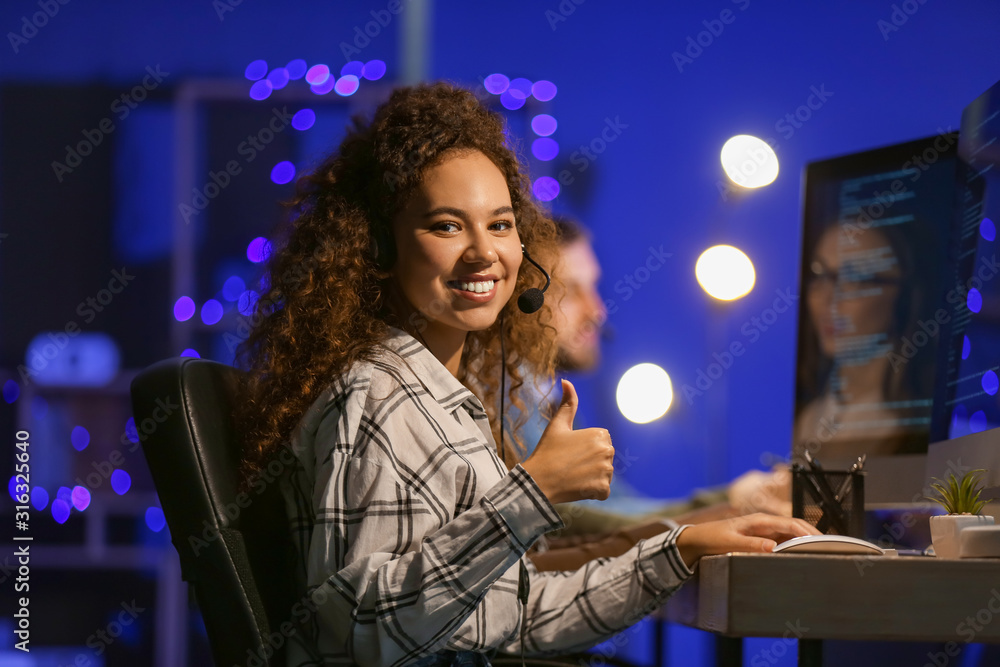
477	287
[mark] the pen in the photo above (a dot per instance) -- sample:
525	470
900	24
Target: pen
842	491
827	499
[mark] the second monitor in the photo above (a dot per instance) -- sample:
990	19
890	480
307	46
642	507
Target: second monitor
875	252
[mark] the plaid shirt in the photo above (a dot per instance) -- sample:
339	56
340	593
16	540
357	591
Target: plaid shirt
409	528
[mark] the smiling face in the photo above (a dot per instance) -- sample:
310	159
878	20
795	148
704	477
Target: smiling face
458	250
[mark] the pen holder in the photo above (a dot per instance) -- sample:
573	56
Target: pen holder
831	500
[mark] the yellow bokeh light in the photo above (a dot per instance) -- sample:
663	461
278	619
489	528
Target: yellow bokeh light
749	162
644	393
725	272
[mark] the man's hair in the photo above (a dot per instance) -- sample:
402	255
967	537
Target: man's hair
569	230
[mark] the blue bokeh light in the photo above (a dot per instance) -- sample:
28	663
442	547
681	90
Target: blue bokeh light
60	510
354	68
248	301
296	69
184	309
256	70
959	420
81	498
520	87
966	347
258	250
990	383
977	421
155	519
190	352
545	149
131	432
303	119
65	494
283	172
545	188
987	229
39	498
233	287
11	391
974	300
211	312
543	125
323	88
80	437
261	90
278	78
347	85
11	486
496	83
510	101
373	70
121	482
543	90
317	74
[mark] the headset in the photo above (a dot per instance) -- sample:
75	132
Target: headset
533	298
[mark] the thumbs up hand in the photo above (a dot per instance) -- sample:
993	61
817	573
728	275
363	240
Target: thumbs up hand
570	465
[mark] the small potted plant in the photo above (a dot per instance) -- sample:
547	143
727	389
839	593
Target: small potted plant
960	499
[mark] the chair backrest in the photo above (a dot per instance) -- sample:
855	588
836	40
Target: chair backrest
235	549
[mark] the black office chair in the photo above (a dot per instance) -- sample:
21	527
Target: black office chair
238	560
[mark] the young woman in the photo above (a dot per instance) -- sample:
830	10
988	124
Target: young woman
376	358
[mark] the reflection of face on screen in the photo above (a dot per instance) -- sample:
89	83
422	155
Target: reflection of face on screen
863	390
876	240
852	289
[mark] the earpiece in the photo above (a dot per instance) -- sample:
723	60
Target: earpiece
532	298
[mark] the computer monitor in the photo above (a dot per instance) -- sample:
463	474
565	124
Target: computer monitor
874	256
967	404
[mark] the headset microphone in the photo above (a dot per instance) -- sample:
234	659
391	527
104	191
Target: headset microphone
532	298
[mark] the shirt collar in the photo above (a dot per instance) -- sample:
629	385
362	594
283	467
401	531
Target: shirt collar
431	373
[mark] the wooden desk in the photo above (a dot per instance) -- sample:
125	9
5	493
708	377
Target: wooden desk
813	597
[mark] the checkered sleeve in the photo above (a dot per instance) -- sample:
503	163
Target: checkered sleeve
573	611
395	571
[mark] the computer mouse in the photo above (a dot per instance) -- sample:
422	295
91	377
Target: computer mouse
828	544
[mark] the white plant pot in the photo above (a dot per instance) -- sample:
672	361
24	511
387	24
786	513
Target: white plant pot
945	531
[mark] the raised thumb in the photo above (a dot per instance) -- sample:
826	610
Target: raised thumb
567	407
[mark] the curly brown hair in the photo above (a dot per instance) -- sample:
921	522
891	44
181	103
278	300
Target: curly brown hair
328	296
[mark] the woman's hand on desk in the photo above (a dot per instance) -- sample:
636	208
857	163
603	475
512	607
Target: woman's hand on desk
570	465
754	532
